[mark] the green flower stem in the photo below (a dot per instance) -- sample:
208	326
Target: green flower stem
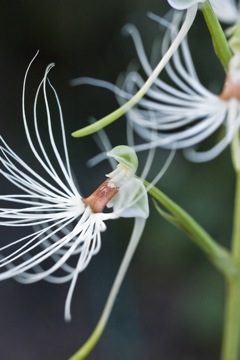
231	333
219	256
219	40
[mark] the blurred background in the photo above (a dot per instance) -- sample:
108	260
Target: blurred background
170	306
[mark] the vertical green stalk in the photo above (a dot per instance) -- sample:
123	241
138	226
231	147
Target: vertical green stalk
219	40
231	333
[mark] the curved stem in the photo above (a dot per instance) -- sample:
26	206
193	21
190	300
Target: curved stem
219	40
100	124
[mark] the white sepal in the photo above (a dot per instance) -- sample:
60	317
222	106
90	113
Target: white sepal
131	200
183	4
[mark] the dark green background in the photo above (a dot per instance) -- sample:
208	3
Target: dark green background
171	304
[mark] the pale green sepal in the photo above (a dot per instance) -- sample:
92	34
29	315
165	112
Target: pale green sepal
125	155
128	163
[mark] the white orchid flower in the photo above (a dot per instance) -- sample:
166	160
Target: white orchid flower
183	4
186	113
63	228
188	19
227	11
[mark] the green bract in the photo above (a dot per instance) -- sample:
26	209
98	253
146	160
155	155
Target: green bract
183	4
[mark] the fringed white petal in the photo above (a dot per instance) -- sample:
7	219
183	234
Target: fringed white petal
48	250
62	232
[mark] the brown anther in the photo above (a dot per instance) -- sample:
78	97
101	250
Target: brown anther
230	90
100	197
